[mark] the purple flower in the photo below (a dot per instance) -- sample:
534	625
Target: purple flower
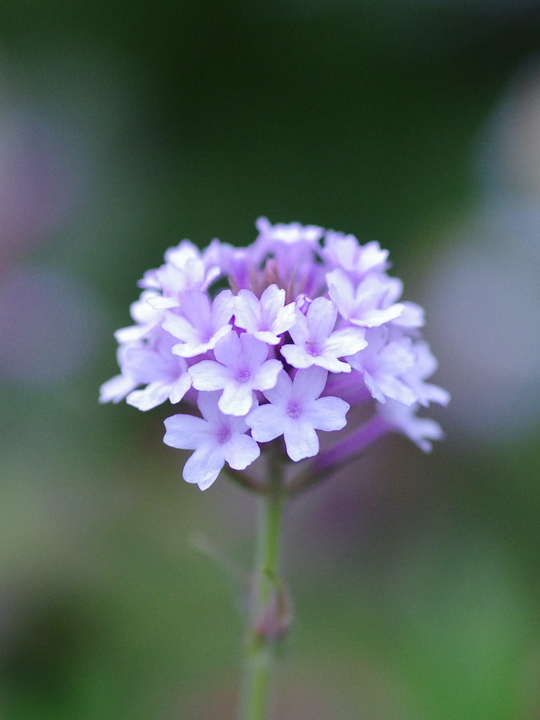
296	411
316	342
216	438
199	323
266	318
308	328
240	367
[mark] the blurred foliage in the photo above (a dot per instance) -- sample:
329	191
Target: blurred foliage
415	579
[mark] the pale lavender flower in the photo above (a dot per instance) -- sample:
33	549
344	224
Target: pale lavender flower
369	303
241	366
308	328
266	318
153	365
344	251
316	342
296	411
383	363
199	323
216	438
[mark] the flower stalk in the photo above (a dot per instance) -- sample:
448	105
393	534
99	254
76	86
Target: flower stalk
268	613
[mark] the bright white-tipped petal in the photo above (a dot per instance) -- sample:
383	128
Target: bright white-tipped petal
185	432
301	440
266	423
204	466
116	389
241	451
209	375
153	395
328	414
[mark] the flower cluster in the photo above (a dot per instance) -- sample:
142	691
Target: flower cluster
310	325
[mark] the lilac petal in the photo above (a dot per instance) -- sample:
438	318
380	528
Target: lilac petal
394	388
195	307
204	465
228	349
373	387
186	432
300	331
273	300
281	392
247	311
223	308
412	316
209	375
301	440
240	451
266	422
328	414
208	405
309	384
253	351
152	396
398	356
321	318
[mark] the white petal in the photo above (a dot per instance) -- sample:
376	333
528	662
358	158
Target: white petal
240	451
301	440
236	399
394	388
116	389
266	376
328	414
180	388
204	465
209	375
186	432
347	341
179	327
374	318
266	422
297	356
152	396
162	303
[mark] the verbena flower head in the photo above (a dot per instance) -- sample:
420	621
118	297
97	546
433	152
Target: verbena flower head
310	325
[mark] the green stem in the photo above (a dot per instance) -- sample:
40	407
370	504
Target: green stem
259	647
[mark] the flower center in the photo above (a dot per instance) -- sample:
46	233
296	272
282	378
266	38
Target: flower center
243	375
294	409
313	349
223	434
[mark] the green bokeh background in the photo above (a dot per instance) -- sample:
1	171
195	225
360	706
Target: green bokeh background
415	579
